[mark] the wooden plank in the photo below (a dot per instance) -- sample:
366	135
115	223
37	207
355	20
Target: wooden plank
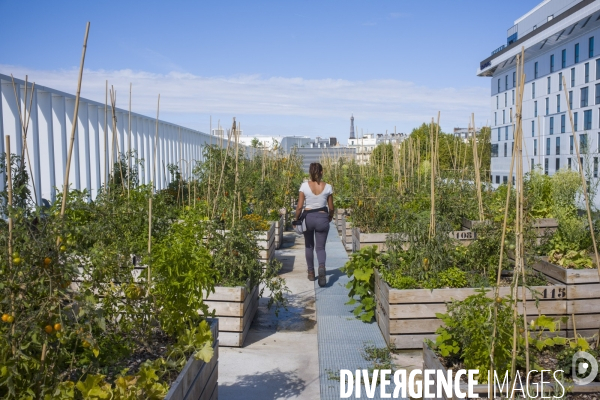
428	310
419	326
229	308
542	265
397	296
585	306
582	275
584	321
222	293
236	339
545	223
211	383
591	291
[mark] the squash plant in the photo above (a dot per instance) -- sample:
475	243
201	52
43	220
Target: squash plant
361	268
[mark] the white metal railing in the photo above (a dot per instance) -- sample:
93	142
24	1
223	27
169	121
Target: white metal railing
48	139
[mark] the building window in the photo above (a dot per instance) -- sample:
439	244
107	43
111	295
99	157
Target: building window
497	178
532	164
584	97
505	179
557	166
547	105
513	97
495	118
495	150
562	123
506	132
503	116
560	81
570	146
497	102
533	90
532	128
597	93
595	167
571	99
583	143
587	72
587	120
552	63
572	77
551	126
598	142
498	85
505	99
591	47
598	68
535	108
575	121
535	147
546	166
563	62
512	147
558	145
506	82
558	103
510	114
535	70
547	146
515	79
549	84
576	53
569	163
505	149
498	134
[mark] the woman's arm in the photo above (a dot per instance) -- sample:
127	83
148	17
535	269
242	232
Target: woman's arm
300	205
330	206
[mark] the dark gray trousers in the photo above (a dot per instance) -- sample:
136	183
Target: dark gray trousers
315	236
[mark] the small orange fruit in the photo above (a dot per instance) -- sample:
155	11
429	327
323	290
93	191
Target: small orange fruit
48	329
47	261
5	317
57	327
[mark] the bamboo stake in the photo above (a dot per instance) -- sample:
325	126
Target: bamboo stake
129	144
106	151
74	126
583	182
477	166
152	195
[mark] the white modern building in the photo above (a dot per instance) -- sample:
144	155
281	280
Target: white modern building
561	39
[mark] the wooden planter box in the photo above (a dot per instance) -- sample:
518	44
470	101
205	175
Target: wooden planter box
266	243
339	215
360	240
279	229
431	361
198	380
582	295
235	307
346	233
542	226
407	317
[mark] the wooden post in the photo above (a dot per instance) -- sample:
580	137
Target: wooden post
73	128
151	195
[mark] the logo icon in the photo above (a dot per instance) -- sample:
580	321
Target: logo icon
579	367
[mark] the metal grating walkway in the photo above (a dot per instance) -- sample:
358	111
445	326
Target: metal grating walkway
341	336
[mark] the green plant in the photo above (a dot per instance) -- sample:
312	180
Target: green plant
467	334
182	275
361	268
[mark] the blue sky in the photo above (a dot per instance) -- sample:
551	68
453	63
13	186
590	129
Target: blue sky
280	67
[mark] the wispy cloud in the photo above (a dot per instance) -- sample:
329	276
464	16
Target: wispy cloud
185	94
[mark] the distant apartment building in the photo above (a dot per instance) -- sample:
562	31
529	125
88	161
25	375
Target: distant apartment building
465	133
365	145
560	55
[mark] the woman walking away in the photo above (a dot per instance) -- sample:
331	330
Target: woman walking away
316	197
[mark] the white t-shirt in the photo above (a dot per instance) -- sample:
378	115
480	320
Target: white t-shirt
314	201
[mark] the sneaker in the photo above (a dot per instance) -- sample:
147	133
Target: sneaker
311	275
322	278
